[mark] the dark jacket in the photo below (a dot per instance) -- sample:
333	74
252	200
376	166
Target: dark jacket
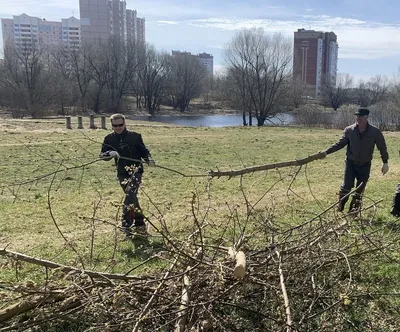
128	144
360	146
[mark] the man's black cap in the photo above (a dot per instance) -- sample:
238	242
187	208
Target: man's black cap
362	112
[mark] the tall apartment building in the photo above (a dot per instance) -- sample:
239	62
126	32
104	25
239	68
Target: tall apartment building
205	59
131	25
141	30
26	31
315	56
101	19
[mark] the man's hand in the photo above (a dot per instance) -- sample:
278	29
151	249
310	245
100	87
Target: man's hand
322	154
109	154
385	168
150	161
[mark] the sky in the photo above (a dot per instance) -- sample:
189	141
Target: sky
368	31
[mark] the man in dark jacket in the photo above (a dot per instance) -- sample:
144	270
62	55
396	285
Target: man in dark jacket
360	139
128	150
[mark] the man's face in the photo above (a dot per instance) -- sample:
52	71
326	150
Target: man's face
361	120
118	125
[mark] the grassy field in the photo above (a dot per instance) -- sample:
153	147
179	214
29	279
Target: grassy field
52	191
32	149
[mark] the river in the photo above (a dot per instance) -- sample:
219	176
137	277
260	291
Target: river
210	120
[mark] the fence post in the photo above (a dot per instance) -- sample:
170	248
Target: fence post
80	124
103	122
91	124
68	122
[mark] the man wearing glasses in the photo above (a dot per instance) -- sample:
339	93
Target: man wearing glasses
360	139
128	150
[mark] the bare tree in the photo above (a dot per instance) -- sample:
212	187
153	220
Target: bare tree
260	64
112	65
237	92
80	71
339	94
371	92
29	75
187	80
67	93
297	93
153	74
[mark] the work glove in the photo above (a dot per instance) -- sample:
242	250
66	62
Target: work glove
109	154
150	161
385	168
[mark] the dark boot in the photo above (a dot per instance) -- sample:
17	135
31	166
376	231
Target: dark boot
138	219
355	204
395	211
342	201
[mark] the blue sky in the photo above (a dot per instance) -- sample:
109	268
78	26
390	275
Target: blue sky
368	31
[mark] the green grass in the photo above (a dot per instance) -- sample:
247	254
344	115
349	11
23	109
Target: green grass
31	149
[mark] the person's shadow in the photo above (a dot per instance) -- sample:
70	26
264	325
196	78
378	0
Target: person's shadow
143	247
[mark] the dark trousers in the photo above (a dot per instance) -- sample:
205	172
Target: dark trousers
131	213
352	172
396	201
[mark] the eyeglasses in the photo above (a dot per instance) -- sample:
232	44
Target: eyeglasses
118	125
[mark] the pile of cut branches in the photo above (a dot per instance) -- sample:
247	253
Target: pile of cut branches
309	277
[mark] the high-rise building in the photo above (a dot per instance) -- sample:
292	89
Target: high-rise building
315	56
141	30
205	59
131	25
102	19
26	31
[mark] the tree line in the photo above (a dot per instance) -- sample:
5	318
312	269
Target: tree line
109	76
98	77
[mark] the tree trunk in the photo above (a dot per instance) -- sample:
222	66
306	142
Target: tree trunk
244	118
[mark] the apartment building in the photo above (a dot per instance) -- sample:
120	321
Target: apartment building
26	31
315	57
101	19
141	30
205	59
131	25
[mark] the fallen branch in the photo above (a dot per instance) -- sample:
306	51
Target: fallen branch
285	295
253	169
24	306
182	317
64	268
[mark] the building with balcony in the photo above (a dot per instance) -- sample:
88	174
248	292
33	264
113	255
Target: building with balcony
26	31
315	57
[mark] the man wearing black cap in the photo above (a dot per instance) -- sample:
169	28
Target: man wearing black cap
360	139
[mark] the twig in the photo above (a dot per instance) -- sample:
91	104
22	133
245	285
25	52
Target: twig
285	295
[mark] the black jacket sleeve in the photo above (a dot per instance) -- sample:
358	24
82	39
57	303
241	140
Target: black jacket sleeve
144	152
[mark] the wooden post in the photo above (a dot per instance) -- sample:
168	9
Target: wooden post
68	122
103	122
80	124
91	124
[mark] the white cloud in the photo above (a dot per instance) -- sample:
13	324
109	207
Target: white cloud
168	22
357	39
